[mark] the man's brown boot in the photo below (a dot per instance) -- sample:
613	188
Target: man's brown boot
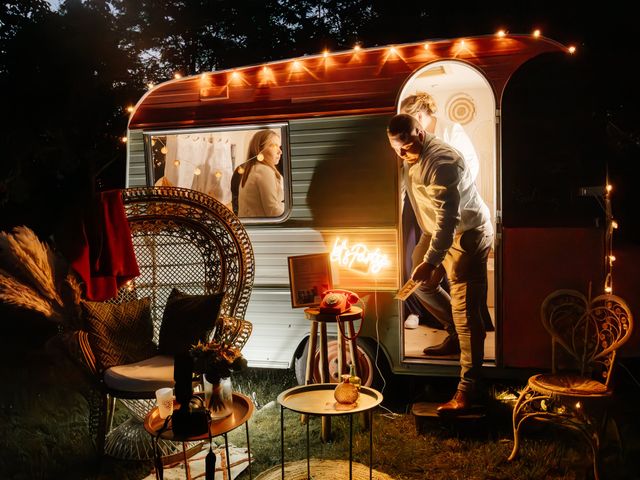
449	346
460	403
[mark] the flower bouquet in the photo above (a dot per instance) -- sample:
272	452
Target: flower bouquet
216	361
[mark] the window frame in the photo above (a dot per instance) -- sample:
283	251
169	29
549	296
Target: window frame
282	127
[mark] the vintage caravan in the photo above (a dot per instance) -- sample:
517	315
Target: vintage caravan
516	98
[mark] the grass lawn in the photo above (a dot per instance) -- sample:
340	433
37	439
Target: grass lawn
44	432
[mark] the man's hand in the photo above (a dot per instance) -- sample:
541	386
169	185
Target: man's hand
427	273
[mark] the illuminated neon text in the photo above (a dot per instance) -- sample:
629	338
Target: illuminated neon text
358	257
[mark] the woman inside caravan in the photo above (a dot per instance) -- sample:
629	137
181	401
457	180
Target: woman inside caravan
261	192
422	107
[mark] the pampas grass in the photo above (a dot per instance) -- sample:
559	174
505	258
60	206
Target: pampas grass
33	277
31	261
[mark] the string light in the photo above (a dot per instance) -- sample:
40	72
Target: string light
123	139
150	85
130	109
572	49
611	226
536	33
501	33
357	47
177	76
426	46
325	54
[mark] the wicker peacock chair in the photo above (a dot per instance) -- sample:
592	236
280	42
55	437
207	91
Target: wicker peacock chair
190	241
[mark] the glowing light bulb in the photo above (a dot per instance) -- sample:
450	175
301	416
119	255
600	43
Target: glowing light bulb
123	139
612	258
163	150
295	65
393	51
357	47
426	46
240	170
218	174
325	54
572	49
501	33
536	33
197	171
150	85
130	109
614	224
176	163
462	43
578	405
608	289
609	188
203	76
260	157
177	76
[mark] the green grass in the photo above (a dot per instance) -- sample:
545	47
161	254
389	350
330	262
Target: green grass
44	433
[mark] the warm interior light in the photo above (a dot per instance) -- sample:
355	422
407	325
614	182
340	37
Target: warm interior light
572	49
176	163
536	33
164	150
501	33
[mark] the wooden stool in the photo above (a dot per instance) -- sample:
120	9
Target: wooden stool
319	325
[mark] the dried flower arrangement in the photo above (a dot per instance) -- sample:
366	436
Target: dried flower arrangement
216	360
33	277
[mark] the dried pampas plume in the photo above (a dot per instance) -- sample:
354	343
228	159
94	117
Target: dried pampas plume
13	292
33	277
28	259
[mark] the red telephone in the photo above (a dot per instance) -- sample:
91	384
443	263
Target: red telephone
337	301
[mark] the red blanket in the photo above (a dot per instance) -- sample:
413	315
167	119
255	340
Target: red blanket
100	249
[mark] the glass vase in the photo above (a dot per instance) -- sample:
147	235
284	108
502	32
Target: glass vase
218	397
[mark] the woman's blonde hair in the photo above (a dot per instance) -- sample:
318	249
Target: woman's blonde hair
257	144
420	102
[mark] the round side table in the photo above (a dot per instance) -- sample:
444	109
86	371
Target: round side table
317	399
242	410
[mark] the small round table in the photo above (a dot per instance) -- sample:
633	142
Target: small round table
317	399
319	325
242	410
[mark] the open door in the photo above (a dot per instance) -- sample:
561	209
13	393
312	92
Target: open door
462	102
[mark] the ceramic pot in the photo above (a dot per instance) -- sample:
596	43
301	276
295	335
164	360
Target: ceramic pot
346	392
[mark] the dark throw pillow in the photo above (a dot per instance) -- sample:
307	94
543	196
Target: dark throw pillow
186	320
119	333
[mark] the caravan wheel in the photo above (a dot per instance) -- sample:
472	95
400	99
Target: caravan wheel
364	358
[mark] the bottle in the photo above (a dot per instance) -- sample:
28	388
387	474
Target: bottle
353	378
346	393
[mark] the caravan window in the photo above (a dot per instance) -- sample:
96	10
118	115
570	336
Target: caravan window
246	169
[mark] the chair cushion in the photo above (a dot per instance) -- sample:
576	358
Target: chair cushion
119	333
147	375
572	385
186	320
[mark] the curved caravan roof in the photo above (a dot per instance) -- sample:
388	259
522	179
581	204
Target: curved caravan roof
342	83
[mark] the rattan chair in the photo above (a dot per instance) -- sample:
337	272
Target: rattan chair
181	239
575	394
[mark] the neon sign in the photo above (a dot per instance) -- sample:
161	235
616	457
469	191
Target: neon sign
358	257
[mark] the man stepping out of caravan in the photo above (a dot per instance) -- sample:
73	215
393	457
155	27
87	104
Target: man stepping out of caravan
457	230
422	107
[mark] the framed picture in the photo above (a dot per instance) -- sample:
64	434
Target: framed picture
309	277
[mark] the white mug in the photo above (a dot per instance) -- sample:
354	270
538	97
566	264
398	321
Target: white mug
164	397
